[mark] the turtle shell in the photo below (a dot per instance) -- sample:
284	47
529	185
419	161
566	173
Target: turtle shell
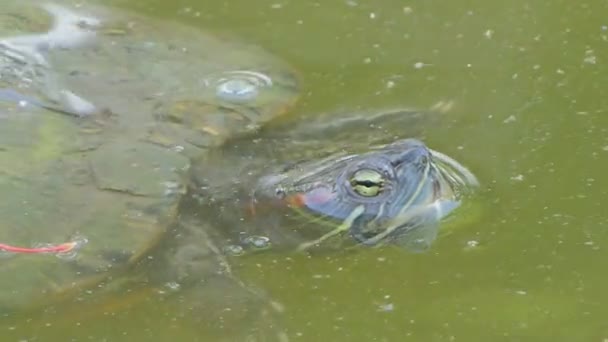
97	188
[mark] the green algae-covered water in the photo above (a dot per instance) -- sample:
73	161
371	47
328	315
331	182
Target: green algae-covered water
524	84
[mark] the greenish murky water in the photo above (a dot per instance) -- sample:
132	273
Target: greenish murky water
527	86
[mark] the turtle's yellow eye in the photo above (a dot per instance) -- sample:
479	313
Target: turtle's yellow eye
367	183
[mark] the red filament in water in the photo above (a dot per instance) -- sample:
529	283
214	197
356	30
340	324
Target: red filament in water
62	248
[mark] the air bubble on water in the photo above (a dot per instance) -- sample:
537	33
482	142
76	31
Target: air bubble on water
420	65
171	188
388	307
518	178
238	85
173	286
471	244
590	57
258	242
79	242
234	250
70	255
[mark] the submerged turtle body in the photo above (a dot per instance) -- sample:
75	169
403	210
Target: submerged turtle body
96	145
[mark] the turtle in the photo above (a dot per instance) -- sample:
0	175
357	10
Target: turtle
132	137
101	112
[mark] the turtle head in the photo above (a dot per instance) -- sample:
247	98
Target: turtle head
395	193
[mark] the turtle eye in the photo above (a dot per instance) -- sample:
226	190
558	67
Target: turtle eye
367	183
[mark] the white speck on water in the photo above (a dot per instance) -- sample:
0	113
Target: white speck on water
515	76
390	84
510	119
177	148
321	276
536	66
367	60
605	148
300	22
173	286
388	307
472	244
521	292
590	57
518	178
372	15
469	65
352	3
276	6
381	259
407	10
488	34
560	71
420	65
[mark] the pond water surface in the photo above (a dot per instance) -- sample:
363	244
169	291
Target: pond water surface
525	83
